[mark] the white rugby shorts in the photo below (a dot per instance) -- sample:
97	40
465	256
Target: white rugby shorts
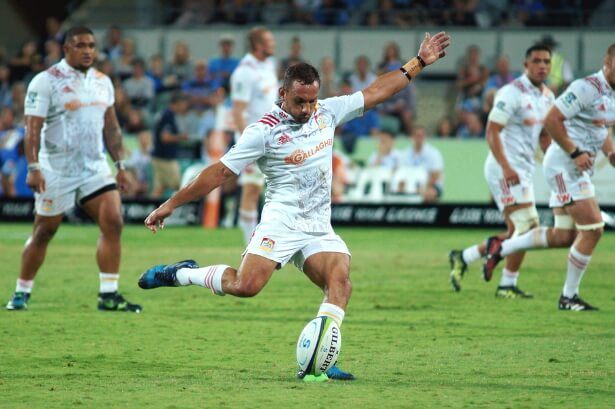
63	192
252	175
504	194
286	246
567	184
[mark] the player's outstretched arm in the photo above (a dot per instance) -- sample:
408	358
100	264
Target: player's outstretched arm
389	84
210	178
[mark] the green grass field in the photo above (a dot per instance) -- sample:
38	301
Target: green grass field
408	338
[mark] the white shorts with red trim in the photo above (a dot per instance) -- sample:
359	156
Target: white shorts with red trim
503	194
567	184
286	246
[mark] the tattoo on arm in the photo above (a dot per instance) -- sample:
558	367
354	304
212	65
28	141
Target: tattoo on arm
113	135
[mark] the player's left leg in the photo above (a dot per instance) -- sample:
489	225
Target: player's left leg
104	207
519	218
331	272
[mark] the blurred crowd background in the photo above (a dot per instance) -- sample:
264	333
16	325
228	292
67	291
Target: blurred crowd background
190	90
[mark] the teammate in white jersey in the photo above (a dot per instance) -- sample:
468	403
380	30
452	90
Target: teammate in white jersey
254	89
293	145
580	123
70	119
514	131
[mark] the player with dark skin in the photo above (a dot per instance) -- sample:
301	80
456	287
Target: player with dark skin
104	208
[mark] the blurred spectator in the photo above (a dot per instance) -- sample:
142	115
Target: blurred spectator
362	76
162	81
53	32
331	13
240	12
139	88
423	155
135	122
529	12
471	80
470	126
18	97
5	87
293	58
37	66
139	166
204	93
53	53
402	106
112	46
329	78
501	77
122	106
222	67
166	141
195	12
366	125
385	155
561	73
181	65
21	64
339	180
445	128
13	171
122	66
463	13
106	67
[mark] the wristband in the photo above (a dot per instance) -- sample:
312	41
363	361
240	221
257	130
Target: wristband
34	166
576	153
120	165
413	67
423	64
403	70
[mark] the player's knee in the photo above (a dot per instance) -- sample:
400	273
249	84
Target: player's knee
112	225
523	220
247	288
43	234
563	238
591	232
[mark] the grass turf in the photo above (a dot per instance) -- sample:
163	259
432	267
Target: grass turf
408	338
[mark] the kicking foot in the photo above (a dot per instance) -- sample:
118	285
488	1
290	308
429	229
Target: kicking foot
163	275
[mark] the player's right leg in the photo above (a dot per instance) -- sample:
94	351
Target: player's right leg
32	258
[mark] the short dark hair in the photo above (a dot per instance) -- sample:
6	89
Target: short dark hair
303	73
537	47
75	31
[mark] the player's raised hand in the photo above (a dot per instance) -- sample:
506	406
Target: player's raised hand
434	48
155	220
36	181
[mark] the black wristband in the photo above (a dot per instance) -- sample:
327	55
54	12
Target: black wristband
402	69
576	153
418	57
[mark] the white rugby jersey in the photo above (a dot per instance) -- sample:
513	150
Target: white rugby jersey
256	83
296	160
589	107
73	104
521	108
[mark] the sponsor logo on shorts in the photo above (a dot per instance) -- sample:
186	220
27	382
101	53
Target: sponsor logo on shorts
585	188
47	205
267	244
507	200
564	198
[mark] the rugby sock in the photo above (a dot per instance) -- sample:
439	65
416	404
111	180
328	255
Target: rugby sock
24	286
577	263
108	282
509	278
208	277
471	254
248	219
331	311
533	239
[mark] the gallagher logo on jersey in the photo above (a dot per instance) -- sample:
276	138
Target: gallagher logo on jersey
298	156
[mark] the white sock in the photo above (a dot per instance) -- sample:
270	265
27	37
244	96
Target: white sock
509	278
108	282
332	311
208	277
577	263
248	219
471	254
533	239
24	286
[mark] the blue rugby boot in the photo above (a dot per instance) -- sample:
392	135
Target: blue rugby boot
18	302
337	374
163	275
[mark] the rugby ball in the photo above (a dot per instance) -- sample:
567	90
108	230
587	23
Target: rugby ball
319	346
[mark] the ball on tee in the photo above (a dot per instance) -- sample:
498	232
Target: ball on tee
319	345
